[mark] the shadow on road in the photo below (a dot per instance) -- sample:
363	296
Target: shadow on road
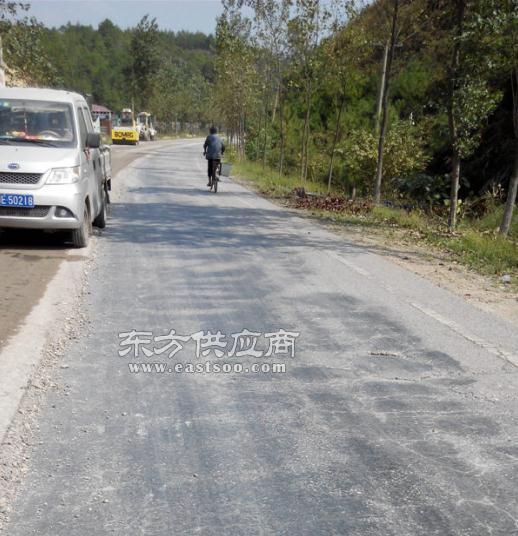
31	239
213	226
185	224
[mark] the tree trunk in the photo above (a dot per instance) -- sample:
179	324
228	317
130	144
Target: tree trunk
265	140
382	86
266	121
305	134
242	136
281	121
335	141
303	159
261	118
306	157
513	181
452	120
384	105
454	192
308	133
511	197
275	105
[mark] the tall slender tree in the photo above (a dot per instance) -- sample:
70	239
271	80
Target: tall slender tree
341	53
271	25
384	101
504	21
236	77
454	77
305	30
469	97
146	60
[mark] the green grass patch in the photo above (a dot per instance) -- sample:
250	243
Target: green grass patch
268	181
492	220
487	253
399	218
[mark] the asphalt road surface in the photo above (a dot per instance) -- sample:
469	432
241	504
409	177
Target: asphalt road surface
397	414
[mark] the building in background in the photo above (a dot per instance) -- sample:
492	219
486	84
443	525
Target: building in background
102	116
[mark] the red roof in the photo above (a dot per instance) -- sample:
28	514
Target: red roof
97	108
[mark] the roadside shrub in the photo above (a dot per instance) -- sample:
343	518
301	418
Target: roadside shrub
404	154
424	189
230	152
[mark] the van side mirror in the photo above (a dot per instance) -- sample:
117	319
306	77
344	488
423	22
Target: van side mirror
93	140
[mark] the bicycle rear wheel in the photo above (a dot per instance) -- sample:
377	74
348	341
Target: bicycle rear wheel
214	179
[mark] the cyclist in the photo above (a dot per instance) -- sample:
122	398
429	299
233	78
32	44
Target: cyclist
213	149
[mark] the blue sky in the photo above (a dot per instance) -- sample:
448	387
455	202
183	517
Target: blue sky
193	15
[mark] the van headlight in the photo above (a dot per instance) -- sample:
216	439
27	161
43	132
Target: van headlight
67	175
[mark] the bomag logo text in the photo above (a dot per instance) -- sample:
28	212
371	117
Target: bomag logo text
124	134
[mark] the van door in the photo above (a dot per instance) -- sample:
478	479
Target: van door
92	162
86	163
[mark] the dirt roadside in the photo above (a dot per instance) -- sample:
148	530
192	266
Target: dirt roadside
488	293
30	259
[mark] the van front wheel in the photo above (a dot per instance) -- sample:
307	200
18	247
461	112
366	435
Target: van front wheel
100	220
80	236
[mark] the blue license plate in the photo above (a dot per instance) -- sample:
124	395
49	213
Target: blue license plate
16	200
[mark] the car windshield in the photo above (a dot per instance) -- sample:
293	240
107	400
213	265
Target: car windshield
36	122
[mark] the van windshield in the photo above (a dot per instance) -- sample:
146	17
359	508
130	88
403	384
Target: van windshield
41	123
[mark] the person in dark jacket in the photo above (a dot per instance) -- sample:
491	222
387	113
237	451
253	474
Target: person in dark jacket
213	150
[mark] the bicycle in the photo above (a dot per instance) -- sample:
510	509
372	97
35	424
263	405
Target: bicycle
216	172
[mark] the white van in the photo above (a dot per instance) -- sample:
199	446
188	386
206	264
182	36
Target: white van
53	172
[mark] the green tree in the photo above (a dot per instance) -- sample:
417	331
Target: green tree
21	37
236	81
342	53
99	62
404	153
468	96
271	40
384	101
146	60
305	31
496	30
